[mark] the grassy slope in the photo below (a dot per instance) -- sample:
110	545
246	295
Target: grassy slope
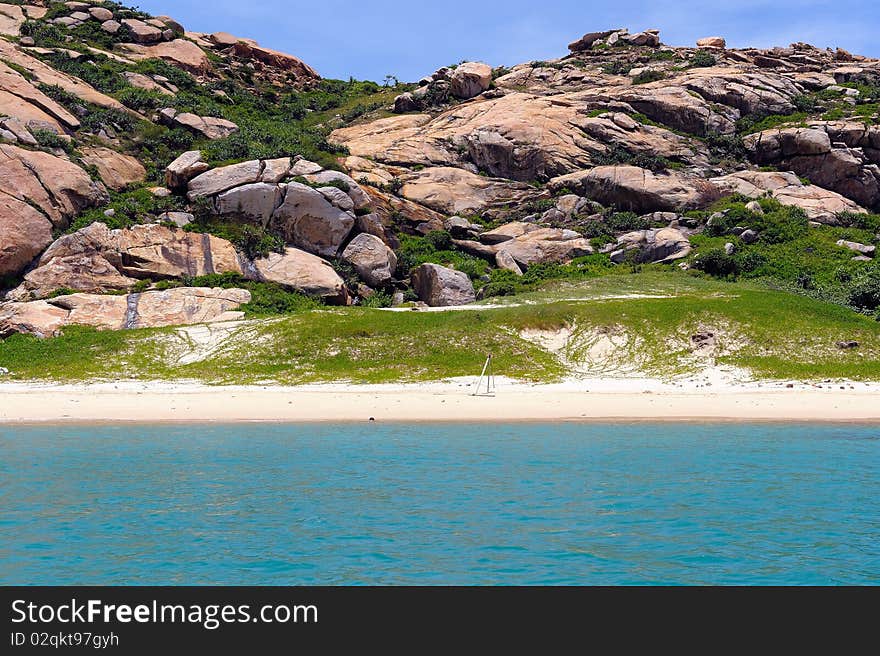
775	334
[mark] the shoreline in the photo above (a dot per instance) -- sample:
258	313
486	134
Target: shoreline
581	400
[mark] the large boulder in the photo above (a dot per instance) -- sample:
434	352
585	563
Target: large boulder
142	32
459	192
39	318
180	52
662	245
519	136
637	189
254	202
185	306
440	286
301	72
587	40
673	105
818	203
308	220
152	309
97	259
183	169
116	170
11	19
544	246
358	196
712	42
303	272
208	126
470	79
22	100
517	246
24	233
836	156
215	181
58	187
374	262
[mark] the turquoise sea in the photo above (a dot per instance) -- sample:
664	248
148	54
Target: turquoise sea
644	503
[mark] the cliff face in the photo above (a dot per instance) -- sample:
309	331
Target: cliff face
134	152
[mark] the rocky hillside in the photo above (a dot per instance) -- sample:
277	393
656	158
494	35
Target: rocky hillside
154	176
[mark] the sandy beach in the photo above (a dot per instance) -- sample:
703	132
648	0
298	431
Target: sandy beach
575	400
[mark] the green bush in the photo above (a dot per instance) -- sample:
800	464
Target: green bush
617	68
864	294
507	283
50	139
253	240
414	251
648	76
141	100
703	59
614	223
439	240
267	299
130	208
378	300
620	155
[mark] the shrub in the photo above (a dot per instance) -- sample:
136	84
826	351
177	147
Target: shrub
864	295
649	75
716	262
703	59
869	222
614	223
378	300
253	240
617	68
266	298
141	99
620	155
414	251
439	240
49	139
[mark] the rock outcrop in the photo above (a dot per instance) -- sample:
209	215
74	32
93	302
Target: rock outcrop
304	273
819	204
152	309
643	246
843	157
638	190
440	286
38	191
208	126
97	259
374	262
117	171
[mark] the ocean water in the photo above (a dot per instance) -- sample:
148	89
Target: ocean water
431	504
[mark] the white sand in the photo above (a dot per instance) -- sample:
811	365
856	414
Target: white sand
712	397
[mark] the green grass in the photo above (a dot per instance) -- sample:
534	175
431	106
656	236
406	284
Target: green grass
773	334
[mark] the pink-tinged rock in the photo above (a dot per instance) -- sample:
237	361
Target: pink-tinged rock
440	286
38	318
185	306
70	187
183	169
303	272
142	32
24	233
116	170
307	220
374	262
215	181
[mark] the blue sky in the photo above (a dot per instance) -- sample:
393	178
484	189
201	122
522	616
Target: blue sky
373	38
